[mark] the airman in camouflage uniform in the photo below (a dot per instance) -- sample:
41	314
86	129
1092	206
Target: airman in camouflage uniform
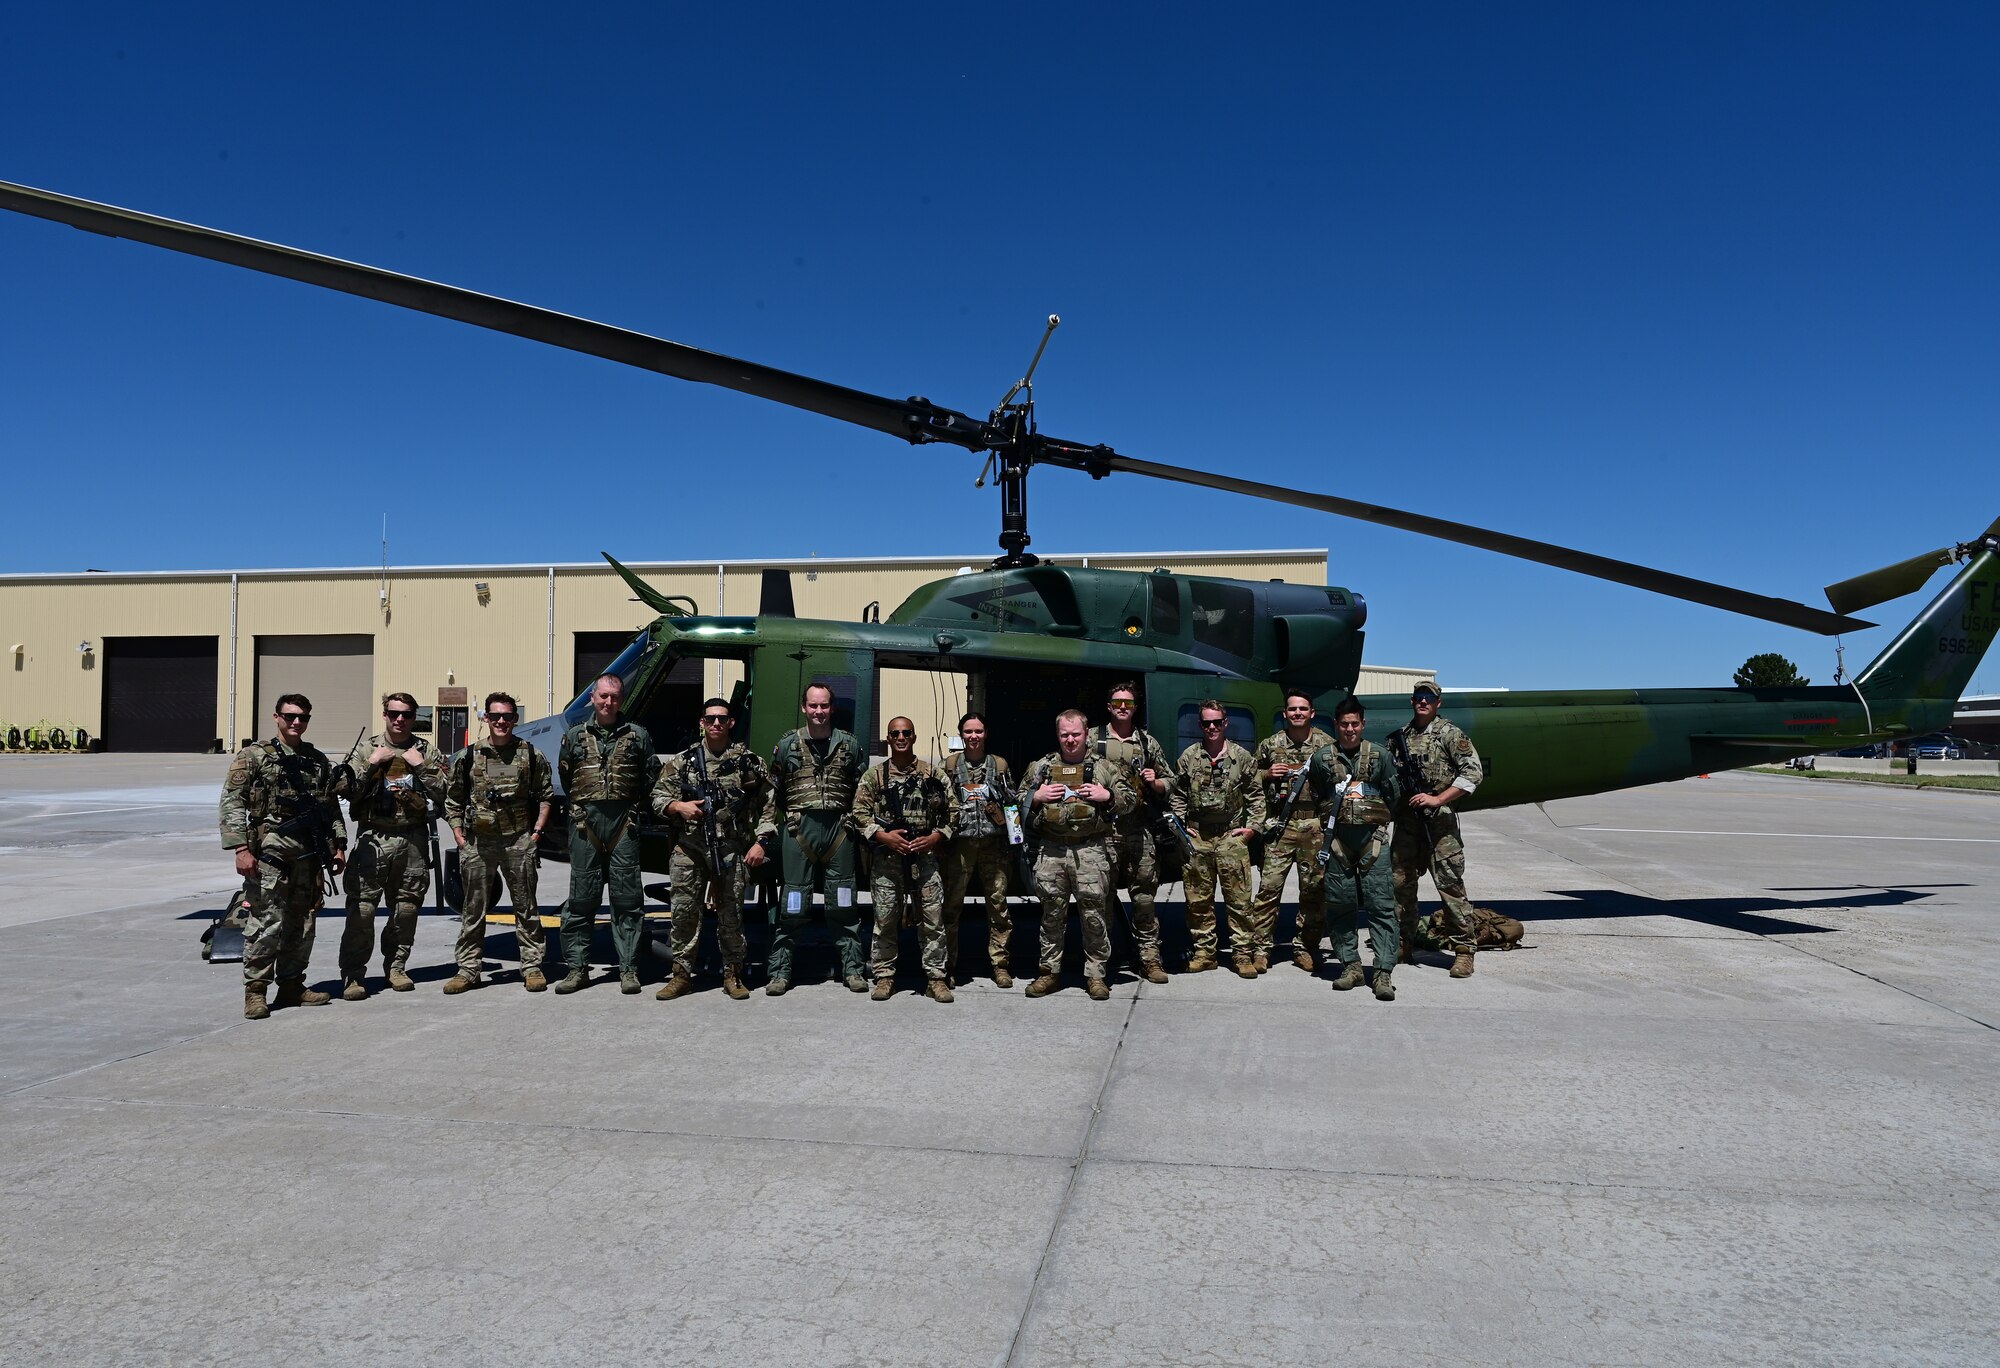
1427	829
390	781
980	852
607	768
1143	761
1216	796
1296	817
722	783
280	816
1360	783
903	809
1075	803
498	801
814	772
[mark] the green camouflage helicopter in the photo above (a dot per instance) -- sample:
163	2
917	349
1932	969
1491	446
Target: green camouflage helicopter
1031	638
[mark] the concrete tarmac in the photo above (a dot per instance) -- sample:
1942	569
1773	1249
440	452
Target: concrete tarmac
1731	1103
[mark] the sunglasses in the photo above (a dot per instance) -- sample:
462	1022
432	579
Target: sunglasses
1207	725
398	714
1123	703
898	731
500	717
714	719
295	717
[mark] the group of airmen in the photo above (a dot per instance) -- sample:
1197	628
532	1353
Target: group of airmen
1357	826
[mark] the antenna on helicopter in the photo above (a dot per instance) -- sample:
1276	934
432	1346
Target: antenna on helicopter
1026	408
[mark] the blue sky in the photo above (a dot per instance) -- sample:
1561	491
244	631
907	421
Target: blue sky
1709	287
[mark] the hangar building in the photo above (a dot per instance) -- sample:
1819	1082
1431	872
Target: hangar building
189	660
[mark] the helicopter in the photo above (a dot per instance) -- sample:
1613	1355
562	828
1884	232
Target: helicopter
1025	638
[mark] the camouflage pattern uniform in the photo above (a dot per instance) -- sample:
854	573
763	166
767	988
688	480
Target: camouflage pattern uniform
1291	841
1214	797
979	852
268	802
1137	869
914	801
808	818
1075	852
1363	791
742	785
391	806
492	798
607	774
1445	757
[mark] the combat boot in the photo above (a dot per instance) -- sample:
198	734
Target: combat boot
883	989
1152	972
1002	976
856	983
354	990
939	991
461	982
1350	976
1304	960
1246	968
575	981
1263	962
254	1006
399	980
777	987
1201	964
628	981
1098	989
534	980
1385	987
1462	966
732	982
294	993
1044	985
680	984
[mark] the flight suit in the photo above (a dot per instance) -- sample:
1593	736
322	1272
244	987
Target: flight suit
607	774
1215	796
280	802
1136	866
914	801
979	853
391	806
1444	756
1362	790
492	798
1291	841
808	817
1075	855
739	785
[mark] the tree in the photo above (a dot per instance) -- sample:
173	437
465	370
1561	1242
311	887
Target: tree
1766	671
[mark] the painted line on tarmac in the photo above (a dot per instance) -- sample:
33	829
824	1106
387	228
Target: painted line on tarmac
1800	835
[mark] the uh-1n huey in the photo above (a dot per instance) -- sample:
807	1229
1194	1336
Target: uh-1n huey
1030	638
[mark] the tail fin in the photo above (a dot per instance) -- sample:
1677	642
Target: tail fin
1933	658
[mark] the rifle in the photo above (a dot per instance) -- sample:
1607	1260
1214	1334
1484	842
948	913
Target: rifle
1411	776
712	796
308	825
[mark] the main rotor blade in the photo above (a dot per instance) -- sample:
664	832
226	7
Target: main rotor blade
1889	582
1782	611
914	420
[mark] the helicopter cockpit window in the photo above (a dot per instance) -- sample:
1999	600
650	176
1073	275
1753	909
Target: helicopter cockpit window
1165	615
1225	616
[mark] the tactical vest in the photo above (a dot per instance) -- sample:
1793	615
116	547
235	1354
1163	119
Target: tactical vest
282	787
1361	803
731	774
815	785
392	796
978	814
606	774
1067	820
1436	752
501	797
1131	757
1215	798
1310	806
912	802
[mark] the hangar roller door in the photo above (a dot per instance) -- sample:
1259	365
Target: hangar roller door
159	693
337	672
